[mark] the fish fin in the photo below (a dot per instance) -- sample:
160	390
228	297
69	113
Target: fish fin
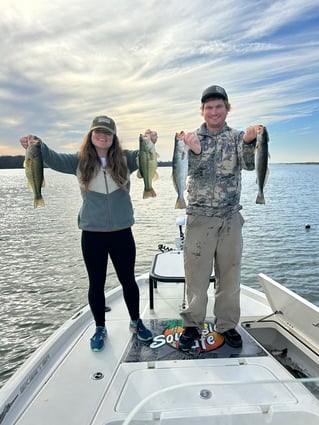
43	183
266	176
139	175
27	163
180	204
174	184
149	193
39	202
260	198
155	177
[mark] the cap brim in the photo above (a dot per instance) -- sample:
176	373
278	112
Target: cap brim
103	127
213	95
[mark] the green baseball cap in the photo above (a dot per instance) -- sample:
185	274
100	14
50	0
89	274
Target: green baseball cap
104	122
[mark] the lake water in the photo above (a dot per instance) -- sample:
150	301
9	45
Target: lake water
43	280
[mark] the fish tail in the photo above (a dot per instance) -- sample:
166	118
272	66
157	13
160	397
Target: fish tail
180	204
38	202
260	198
149	193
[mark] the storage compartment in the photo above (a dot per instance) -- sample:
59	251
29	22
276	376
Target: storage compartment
289	351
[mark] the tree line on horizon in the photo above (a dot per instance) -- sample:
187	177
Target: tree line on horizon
16	161
7	161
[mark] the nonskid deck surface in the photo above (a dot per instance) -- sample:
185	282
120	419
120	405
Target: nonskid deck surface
127	371
210	345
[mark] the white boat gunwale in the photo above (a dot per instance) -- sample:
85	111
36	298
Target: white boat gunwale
38	372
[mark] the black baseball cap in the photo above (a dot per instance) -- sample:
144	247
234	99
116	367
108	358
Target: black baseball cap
214	91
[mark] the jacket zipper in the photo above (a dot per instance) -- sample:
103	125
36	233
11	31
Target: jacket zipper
107	193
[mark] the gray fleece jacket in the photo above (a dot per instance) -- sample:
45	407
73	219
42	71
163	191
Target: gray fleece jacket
105	206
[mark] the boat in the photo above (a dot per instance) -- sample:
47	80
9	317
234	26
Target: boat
272	379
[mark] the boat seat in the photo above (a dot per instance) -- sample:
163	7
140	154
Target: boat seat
167	267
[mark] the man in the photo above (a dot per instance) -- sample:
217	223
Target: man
213	235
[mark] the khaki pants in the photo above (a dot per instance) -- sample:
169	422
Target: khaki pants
213	241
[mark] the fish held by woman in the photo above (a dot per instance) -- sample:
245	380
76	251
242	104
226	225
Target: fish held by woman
33	165
262	156
147	165
180	169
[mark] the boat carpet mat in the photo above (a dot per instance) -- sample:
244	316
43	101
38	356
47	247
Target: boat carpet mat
210	344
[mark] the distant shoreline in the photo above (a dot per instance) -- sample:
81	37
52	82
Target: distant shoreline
16	161
294	163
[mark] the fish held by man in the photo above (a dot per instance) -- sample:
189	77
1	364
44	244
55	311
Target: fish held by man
33	165
147	165
180	169
262	155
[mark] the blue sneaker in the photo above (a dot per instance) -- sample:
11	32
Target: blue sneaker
143	334
97	340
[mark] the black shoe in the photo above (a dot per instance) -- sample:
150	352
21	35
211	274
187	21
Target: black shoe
187	338
232	338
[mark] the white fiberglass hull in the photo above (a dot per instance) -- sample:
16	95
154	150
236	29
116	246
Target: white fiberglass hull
64	382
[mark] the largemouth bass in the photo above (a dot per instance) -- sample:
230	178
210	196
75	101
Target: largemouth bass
262	162
180	169
147	164
33	165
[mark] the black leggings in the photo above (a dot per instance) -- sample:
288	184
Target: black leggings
120	245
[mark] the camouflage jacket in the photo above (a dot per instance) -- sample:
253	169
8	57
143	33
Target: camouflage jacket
214	183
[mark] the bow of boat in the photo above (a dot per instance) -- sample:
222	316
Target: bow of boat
272	379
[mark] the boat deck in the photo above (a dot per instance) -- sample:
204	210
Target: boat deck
165	385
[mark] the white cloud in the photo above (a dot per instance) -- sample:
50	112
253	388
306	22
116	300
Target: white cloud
146	63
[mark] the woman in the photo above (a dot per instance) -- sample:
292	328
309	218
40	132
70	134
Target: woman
106	216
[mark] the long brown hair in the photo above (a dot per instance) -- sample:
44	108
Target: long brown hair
90	163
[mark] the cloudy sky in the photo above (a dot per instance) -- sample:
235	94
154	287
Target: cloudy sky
145	63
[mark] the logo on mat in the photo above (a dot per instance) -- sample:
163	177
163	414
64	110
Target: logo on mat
209	339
